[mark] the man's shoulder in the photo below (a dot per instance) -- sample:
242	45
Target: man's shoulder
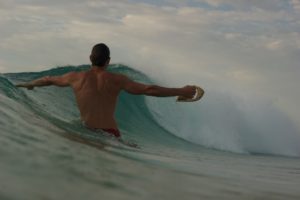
73	73
73	76
77	74
115	76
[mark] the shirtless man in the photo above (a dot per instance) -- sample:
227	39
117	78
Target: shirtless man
97	90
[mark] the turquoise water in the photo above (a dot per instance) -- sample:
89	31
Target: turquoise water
214	149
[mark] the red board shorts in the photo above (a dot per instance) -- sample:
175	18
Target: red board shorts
114	132
111	131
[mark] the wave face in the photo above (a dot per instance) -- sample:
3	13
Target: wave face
219	121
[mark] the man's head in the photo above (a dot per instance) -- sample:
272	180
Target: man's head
100	55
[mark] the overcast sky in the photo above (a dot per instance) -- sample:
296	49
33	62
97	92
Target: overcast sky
250	46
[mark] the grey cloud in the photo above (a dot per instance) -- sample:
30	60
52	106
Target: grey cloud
268	5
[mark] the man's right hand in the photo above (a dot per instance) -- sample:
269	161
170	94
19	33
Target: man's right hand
25	85
189	92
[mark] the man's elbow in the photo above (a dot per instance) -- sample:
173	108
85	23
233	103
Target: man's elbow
48	80
151	90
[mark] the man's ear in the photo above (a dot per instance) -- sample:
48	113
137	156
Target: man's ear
107	62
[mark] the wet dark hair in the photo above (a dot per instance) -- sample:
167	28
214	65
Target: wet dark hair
99	55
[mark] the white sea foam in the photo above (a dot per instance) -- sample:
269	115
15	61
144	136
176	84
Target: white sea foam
231	123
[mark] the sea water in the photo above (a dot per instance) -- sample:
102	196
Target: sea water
213	149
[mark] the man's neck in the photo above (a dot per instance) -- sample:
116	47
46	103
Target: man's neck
98	69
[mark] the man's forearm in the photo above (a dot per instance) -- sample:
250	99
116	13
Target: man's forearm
36	83
40	82
154	90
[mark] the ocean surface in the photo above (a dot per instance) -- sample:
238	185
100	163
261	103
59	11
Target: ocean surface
212	149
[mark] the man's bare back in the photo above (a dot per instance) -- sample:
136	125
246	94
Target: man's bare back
97	91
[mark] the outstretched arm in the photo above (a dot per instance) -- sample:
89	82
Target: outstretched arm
154	90
62	81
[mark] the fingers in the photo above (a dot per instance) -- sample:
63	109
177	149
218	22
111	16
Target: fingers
194	90
19	85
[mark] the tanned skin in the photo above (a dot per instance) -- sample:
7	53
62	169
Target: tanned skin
97	91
